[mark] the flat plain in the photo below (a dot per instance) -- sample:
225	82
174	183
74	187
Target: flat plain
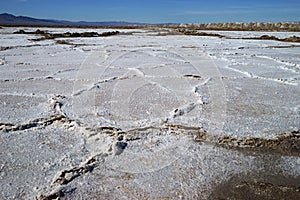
148	114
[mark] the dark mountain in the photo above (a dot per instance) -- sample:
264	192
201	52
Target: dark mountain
9	19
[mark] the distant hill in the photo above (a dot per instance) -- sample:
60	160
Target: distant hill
9	19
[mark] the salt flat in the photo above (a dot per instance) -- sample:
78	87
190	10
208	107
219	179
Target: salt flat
146	114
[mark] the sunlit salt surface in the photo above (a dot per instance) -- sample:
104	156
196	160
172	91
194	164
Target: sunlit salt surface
119	116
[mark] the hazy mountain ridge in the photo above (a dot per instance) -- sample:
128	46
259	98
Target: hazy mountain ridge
9	19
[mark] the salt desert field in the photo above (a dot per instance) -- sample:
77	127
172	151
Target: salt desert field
149	114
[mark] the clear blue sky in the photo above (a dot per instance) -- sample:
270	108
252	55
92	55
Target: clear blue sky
157	11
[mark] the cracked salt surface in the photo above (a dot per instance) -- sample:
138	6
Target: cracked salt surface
142	116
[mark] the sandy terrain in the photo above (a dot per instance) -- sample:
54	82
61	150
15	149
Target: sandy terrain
146	114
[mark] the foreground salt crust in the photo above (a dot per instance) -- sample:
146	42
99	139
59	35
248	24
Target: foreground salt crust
147	116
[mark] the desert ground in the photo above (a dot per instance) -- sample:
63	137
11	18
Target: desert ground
149	114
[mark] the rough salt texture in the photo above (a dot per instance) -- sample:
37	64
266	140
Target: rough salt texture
146	116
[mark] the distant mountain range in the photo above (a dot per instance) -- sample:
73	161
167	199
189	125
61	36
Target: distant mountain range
9	19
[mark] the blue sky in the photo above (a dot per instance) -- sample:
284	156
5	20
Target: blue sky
157	11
